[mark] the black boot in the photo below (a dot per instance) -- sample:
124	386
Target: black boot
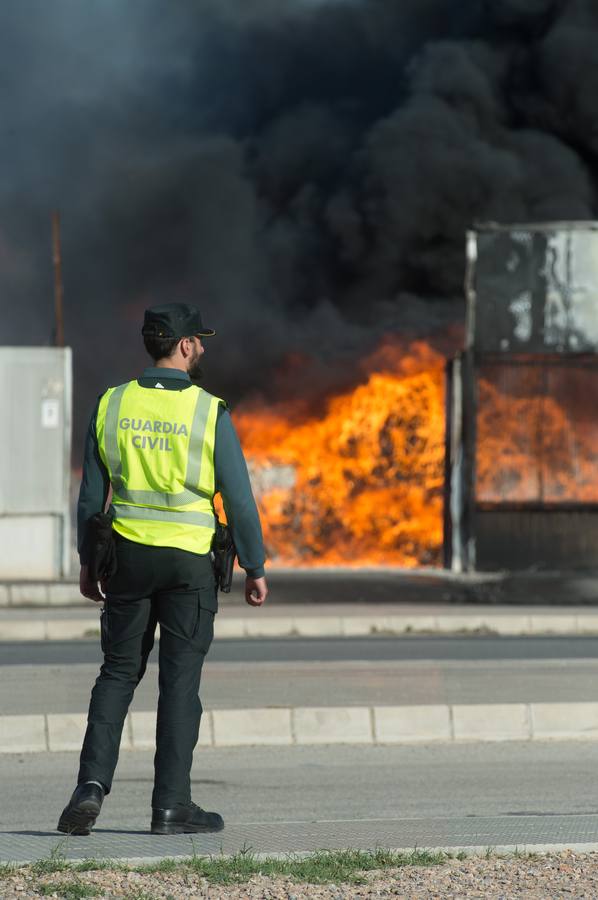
184	819
83	809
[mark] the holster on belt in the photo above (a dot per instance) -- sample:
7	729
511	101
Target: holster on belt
101	549
223	555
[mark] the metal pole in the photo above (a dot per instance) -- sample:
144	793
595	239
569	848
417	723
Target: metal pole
58	288
468	411
448	463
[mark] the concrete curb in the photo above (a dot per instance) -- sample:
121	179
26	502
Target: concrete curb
357	585
45	593
55	732
19	593
495	851
585	624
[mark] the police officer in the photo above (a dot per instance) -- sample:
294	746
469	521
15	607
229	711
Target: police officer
165	447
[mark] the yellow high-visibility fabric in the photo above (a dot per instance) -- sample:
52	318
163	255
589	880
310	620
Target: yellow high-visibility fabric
158	447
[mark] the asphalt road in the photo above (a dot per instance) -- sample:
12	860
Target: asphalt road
58	677
416	647
276	784
327	649
300	798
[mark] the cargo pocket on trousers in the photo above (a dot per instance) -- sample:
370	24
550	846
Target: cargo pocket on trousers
207	608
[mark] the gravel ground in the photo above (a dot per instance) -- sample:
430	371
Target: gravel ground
570	875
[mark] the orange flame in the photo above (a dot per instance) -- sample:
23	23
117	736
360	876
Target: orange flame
537	435
362	483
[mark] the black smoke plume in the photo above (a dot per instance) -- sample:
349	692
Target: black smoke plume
303	169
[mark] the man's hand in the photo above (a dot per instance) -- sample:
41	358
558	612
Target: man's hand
89	588
256	590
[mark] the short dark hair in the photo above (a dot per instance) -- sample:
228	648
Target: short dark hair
159	347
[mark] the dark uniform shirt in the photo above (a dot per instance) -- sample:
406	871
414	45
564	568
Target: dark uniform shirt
232	479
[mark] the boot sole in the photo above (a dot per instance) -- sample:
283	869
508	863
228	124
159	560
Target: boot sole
184	829
80	819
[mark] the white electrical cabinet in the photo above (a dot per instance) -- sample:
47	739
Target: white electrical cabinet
35	462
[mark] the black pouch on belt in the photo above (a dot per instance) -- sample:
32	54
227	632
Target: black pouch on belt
101	547
224	553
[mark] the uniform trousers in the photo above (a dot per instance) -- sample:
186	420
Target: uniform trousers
176	589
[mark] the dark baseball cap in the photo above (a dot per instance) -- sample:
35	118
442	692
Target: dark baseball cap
174	320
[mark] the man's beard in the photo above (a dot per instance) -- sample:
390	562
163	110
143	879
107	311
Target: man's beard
195	371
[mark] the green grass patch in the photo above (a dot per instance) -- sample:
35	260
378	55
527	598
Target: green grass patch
323	867
7	869
326	866
528	855
97	865
68	890
164	865
55	862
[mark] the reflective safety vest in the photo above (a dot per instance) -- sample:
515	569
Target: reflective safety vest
158	447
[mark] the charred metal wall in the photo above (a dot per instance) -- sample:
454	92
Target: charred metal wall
541	538
522	445
533	289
